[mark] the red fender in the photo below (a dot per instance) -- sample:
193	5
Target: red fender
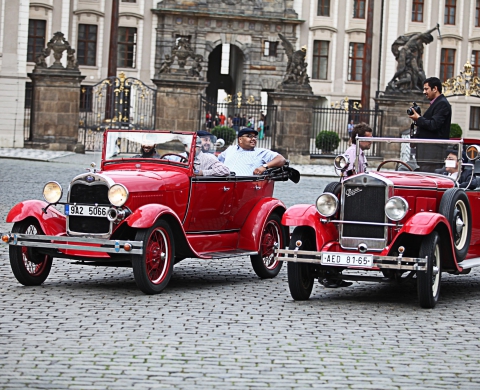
146	215
52	223
307	215
424	223
251	232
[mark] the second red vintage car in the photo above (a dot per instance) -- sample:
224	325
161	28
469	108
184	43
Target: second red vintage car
148	213
394	223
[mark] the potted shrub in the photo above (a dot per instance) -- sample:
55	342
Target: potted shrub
455	131
327	141
226	133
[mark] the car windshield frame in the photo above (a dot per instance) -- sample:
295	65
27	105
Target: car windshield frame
122	146
406	154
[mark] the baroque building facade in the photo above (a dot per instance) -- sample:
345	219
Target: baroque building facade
334	32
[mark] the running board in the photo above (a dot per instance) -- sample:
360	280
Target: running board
221	255
470	263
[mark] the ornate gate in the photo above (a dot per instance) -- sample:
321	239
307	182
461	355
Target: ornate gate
242	111
115	103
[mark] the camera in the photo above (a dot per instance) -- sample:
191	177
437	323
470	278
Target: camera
415	107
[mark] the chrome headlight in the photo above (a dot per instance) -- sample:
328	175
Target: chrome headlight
117	195
327	204
341	162
52	192
396	208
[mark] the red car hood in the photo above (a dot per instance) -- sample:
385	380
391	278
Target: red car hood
412	179
141	181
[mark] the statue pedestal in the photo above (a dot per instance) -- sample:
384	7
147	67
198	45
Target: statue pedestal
293	131
178	102
55	110
395	118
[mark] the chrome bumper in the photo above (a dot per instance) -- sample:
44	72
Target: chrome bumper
73	243
381	262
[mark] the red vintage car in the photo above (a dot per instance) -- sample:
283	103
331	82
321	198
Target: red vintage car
403	220
148	213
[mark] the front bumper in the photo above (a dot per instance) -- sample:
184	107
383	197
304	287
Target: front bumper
74	243
379	262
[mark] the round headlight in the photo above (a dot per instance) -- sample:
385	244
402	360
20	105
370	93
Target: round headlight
396	208
117	195
341	161
327	204
52	192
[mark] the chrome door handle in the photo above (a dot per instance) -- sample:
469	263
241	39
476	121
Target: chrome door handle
225	189
257	187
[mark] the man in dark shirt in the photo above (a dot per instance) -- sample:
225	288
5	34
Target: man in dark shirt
434	124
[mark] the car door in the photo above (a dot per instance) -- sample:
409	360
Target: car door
210	204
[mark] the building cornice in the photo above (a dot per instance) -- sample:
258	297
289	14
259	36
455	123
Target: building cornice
41	5
355	30
224	15
452	36
329	28
89	11
474	39
130	14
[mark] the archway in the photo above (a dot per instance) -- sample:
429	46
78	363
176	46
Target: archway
225	72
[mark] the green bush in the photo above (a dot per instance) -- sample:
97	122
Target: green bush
455	131
226	133
327	141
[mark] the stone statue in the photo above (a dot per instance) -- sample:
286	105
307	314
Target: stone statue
197	66
408	51
296	67
58	44
166	64
181	51
72	62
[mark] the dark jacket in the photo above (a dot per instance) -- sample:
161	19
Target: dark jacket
464	178
435	122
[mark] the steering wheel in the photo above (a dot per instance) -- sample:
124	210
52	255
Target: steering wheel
183	159
394	161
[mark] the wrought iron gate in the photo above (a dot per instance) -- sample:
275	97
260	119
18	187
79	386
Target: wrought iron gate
115	103
242	112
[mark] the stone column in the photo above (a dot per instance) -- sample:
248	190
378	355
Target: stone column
395	118
55	110
293	130
179	103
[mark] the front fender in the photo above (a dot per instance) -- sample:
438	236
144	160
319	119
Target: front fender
424	223
146	215
52	223
251	232
307	215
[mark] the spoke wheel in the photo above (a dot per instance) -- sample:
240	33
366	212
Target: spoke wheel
428	282
300	276
264	264
153	269
456	208
29	267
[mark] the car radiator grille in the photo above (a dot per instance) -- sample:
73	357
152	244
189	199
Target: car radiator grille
364	206
89	194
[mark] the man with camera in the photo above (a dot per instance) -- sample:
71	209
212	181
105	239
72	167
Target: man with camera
434	124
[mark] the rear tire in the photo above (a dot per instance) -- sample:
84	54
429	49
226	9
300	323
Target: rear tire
29	267
153	269
264	264
428	282
456	208
300	277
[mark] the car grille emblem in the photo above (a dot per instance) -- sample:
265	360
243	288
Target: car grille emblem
352	191
90	179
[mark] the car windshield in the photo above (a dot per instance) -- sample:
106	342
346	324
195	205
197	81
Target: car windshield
444	157
161	147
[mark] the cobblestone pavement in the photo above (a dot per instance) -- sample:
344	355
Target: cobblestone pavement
218	326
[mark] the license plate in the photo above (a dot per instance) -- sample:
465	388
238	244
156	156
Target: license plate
347	259
86	211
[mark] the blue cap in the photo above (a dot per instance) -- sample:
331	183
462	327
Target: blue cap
247	130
